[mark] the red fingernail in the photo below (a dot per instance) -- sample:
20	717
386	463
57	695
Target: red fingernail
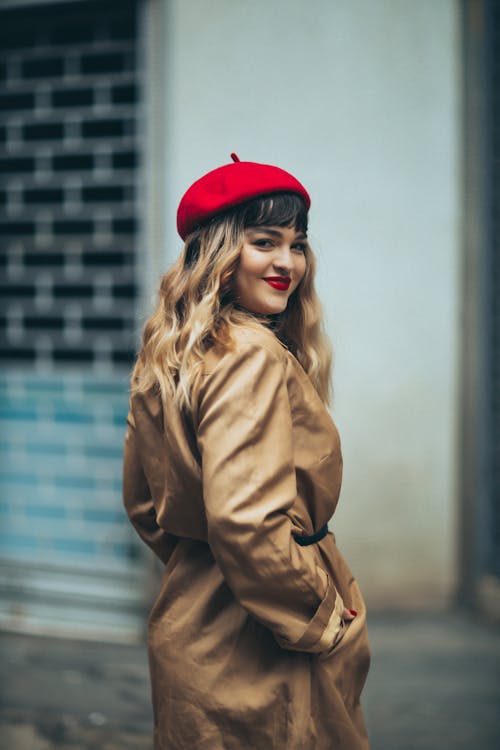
353	612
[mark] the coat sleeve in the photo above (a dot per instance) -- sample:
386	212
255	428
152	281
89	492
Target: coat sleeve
137	497
245	437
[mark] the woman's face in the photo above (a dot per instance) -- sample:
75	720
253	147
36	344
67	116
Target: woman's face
272	265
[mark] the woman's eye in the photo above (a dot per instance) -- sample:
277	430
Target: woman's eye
265	243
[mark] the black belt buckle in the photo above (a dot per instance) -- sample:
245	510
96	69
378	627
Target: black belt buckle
304	540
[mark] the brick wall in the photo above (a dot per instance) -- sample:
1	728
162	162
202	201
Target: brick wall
69	116
61	453
68	161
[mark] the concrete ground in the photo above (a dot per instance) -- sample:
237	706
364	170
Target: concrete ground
434	684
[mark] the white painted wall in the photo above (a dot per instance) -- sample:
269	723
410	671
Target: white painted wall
360	100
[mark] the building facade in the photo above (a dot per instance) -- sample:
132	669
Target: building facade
108	111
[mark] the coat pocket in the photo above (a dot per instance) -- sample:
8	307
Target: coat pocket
327	653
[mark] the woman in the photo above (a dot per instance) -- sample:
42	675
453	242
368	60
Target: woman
232	469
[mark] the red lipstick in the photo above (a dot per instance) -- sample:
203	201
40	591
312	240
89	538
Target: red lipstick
278	282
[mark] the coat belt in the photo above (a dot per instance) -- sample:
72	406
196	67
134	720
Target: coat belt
306	539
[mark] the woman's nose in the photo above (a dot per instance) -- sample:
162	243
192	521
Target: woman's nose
284	259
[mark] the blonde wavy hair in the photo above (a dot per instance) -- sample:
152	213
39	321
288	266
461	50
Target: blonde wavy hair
197	309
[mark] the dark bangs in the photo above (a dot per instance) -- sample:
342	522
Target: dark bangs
275	209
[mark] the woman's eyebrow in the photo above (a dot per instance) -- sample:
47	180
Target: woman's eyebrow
276	232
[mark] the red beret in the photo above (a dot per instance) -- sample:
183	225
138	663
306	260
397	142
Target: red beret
230	185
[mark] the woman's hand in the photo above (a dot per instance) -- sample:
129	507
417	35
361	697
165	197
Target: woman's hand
347	616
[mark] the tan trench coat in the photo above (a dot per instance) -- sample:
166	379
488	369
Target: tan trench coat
240	637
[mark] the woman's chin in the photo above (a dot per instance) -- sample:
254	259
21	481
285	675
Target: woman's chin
260	307
273	308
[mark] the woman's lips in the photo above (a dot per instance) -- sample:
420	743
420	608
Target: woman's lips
281	285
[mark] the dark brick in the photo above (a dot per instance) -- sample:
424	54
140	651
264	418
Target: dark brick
44	259
73	98
69	291
122	291
124	93
16	228
76	227
102	324
104	193
125	226
10	102
105	128
73	162
104	62
43	131
109	258
13	354
15	37
17	290
122	28
45	322
85	356
38	196
123	357
124	160
44	67
69	33
17	164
